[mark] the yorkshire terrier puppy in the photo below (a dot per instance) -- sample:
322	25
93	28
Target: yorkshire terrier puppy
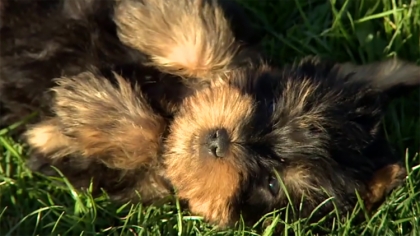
108	115
244	131
313	127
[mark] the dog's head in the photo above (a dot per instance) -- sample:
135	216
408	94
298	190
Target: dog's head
315	125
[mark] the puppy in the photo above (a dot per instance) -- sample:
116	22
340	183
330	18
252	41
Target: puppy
313	127
109	112
229	141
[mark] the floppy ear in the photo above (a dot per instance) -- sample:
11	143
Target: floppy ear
394	77
189	38
98	120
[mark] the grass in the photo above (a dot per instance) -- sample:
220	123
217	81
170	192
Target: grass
353	30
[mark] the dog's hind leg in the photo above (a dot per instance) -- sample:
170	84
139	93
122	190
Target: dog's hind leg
189	38
95	119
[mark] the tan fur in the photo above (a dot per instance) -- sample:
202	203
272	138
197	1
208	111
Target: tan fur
46	137
208	183
187	38
107	121
383	181
104	133
297	95
300	180
113	124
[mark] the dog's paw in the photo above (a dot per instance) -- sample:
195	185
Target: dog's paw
384	181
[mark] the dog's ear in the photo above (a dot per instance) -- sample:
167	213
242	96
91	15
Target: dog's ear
189	38
114	124
392	77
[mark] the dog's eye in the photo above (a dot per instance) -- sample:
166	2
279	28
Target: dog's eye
273	185
271	107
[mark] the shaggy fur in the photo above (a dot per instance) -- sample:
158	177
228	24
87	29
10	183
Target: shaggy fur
129	131
314	126
163	30
170	45
104	132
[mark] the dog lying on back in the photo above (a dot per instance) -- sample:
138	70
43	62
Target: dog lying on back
110	116
315	124
313	127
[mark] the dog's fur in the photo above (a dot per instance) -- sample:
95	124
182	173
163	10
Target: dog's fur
171	48
316	124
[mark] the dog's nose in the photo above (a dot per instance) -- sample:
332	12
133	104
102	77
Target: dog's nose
217	142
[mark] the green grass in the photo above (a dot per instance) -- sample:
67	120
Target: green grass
353	30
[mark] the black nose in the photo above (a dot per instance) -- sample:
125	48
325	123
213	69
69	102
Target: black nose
217	142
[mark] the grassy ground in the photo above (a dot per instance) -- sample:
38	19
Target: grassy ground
354	30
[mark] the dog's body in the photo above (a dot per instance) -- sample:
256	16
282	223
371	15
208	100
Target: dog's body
316	123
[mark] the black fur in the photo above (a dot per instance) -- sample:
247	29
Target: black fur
337	134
